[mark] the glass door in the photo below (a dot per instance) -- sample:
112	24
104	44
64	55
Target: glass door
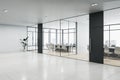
68	30
51	38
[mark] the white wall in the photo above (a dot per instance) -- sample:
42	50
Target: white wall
10	38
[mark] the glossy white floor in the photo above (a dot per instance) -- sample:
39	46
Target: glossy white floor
33	66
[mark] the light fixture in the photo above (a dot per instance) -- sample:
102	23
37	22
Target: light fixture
5	10
94	4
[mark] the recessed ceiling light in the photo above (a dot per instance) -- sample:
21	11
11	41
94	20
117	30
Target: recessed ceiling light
5	10
94	4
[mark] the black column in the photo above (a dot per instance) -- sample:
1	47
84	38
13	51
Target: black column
40	38
96	37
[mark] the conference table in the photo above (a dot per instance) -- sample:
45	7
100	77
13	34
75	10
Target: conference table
68	48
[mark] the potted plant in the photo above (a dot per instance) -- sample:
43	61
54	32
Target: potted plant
24	43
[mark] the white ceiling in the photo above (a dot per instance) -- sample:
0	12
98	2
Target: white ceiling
30	12
112	17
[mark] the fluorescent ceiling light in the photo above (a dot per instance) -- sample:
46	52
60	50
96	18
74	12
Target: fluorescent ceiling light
94	4
5	10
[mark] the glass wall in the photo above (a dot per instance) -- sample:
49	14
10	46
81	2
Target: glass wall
67	38
68	29
32	38
78	37
111	37
70	37
51	38
112	44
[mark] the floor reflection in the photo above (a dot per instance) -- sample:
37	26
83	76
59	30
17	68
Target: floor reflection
72	55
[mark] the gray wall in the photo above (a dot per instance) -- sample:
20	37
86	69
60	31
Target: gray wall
10	38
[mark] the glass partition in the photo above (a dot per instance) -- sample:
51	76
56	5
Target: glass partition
32	38
111	37
67	38
51	38
68	29
77	36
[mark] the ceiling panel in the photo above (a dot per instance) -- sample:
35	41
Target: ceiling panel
30	12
